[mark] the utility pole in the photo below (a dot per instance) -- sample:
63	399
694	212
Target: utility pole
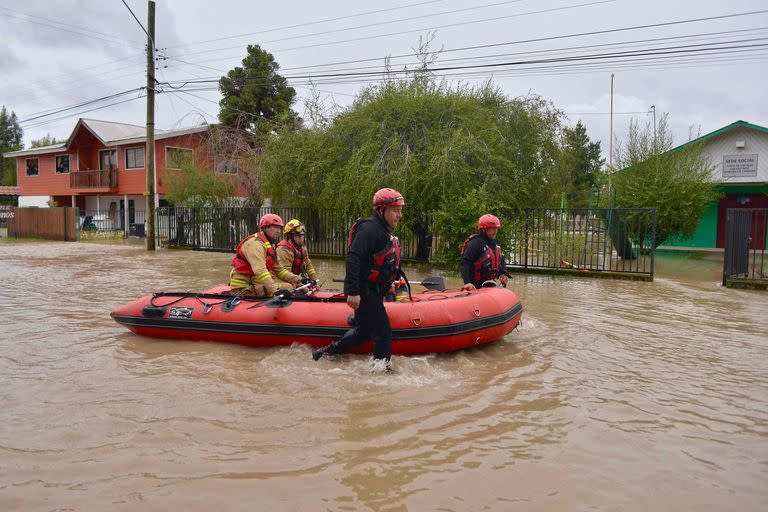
150	152
653	108
610	144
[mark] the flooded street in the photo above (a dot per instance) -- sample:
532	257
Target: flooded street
613	395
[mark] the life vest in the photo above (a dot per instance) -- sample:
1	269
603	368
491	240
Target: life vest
240	262
488	265
297	266
385	264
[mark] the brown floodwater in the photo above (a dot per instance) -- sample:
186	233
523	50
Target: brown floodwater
613	395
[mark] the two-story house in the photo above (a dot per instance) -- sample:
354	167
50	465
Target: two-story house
101	168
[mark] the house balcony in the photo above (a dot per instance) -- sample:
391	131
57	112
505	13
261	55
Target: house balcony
94	180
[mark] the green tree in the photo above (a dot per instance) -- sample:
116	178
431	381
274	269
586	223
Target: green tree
581	164
255	97
677	182
45	140
194	187
11	139
434	143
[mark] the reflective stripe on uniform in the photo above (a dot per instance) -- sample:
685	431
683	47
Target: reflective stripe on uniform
262	277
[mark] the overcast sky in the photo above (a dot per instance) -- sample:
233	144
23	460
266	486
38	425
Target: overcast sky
56	54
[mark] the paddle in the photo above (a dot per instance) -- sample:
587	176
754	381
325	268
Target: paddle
430	283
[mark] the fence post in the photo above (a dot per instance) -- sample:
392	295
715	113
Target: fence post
525	262
653	237
728	248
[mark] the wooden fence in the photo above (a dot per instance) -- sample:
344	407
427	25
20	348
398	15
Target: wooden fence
47	223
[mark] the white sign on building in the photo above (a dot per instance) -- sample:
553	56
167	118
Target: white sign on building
739	166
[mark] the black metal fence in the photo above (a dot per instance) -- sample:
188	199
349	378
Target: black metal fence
746	232
113	220
595	239
221	229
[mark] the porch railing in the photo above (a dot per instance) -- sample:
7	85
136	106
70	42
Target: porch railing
93	179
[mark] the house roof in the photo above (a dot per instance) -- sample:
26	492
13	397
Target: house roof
722	130
710	135
108	133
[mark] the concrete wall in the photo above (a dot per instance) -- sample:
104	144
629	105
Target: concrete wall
39	201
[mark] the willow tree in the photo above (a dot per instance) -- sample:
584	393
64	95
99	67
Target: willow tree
443	147
676	181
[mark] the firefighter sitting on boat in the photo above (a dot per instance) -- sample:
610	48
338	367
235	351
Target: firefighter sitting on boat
481	256
292	253
256	270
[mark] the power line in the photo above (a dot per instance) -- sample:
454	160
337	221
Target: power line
621	61
682	49
43	123
474	58
327	20
485	20
137	21
88	33
542	39
73	107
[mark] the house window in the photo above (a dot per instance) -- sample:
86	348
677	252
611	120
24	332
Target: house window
107	159
134	158
226	166
32	167
62	164
176	158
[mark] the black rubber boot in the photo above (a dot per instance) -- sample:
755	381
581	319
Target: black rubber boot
320	352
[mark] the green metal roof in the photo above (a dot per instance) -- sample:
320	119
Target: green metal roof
708	136
724	129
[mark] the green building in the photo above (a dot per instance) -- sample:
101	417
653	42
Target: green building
739	154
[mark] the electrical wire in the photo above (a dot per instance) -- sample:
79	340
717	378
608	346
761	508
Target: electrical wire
90	33
73	107
368	25
287	27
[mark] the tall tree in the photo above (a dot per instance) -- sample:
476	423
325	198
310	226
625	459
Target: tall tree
11	136
255	97
678	182
454	152
581	164
45	140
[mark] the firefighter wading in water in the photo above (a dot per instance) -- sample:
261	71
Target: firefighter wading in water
255	270
481	256
292	254
373	264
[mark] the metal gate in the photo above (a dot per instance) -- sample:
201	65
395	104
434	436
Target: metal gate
745	244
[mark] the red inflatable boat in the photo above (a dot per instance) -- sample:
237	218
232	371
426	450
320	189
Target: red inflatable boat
432	322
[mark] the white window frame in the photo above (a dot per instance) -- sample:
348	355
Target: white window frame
26	167
56	166
144	159
218	160
181	149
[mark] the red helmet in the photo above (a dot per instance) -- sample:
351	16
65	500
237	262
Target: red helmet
488	221
388	197
270	219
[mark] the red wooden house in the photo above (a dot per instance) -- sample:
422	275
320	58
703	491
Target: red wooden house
101	169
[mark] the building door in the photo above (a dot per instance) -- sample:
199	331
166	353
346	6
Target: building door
131	211
743	201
